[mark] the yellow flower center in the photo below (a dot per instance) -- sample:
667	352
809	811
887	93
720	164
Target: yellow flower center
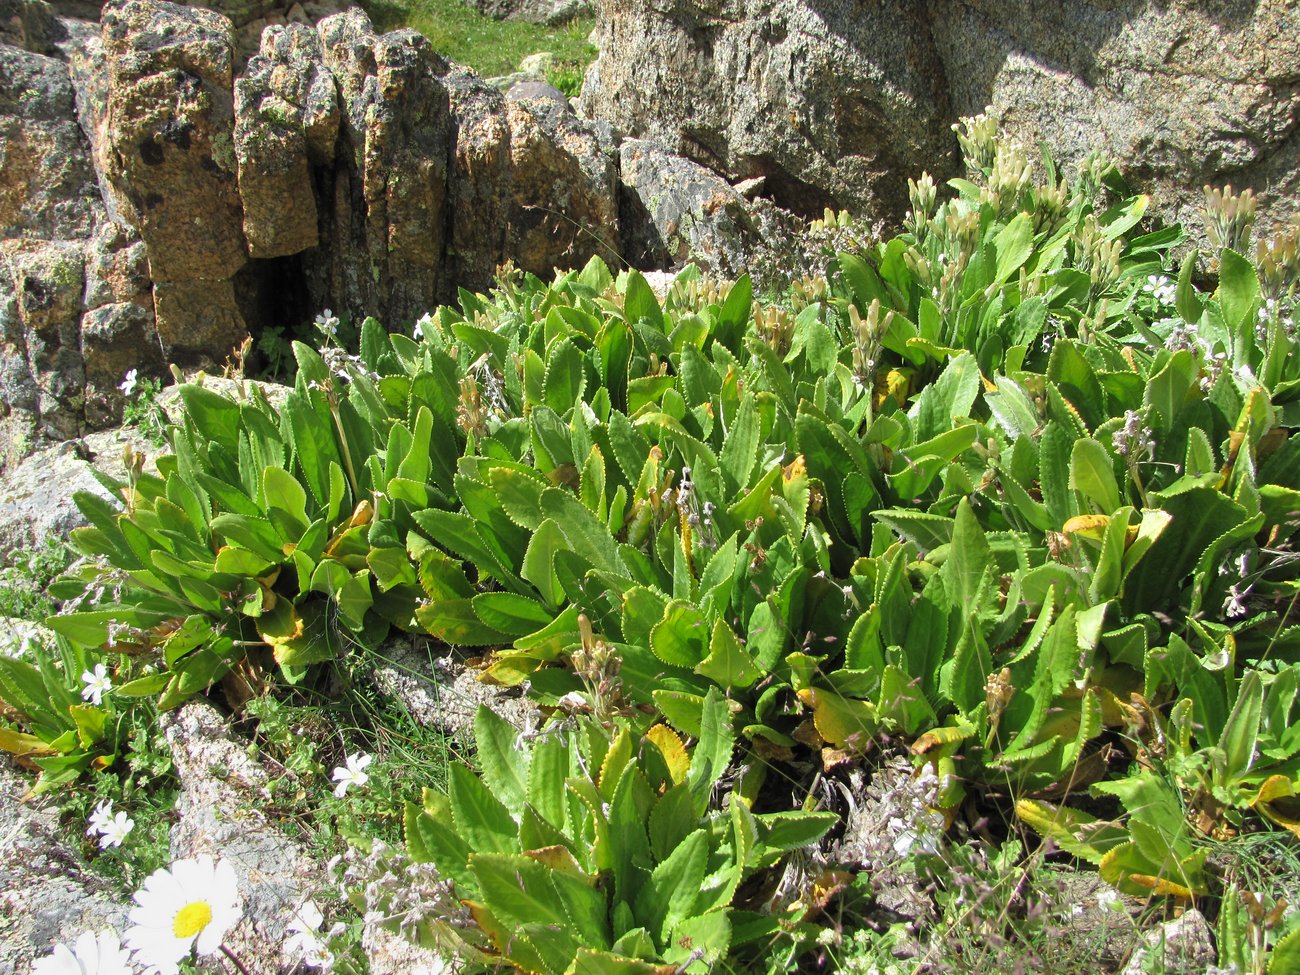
191	919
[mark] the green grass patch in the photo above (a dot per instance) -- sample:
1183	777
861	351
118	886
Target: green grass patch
490	47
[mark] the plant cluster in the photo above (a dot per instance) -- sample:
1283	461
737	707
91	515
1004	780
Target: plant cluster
1004	487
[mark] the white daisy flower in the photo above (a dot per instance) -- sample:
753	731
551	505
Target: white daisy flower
97	685
304	942
128	384
91	954
115	831
189	906
352	772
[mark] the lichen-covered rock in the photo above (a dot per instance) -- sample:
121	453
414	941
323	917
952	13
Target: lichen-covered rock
36	495
47	184
27	24
389	202
537	11
1184	944
219	813
564	201
442	692
115	339
170	154
836	103
197	319
286	122
674	211
1181	94
47	281
170	118
46	894
479	181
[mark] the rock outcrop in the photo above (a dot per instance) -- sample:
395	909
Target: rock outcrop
75	304
537	11
161	195
834	102
838	102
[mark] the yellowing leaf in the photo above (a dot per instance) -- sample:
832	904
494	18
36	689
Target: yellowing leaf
16	743
558	858
1160	886
672	748
1277	800
843	722
938	737
1094	526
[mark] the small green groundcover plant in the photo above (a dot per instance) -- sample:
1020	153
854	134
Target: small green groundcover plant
1006	489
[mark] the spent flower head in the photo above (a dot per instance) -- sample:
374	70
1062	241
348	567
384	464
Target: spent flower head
1134	440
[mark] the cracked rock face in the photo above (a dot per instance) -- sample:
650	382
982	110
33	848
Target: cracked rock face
162	193
837	102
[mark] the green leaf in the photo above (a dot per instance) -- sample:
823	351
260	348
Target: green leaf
1241	730
712	755
539	562
215	417
669	894
734	314
947	399
1013	245
1238	289
566	377
681	637
793	830
280	490
520	894
699	944
640	302
480	817
1093	475
454	622
511	614
1189	305
503	764
1284	959
727	663
968	561
740	450
431	840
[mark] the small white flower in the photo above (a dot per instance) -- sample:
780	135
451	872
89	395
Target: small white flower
352	772
422	326
189	906
97	685
304	942
1161	288
91	954
1109	900
115	831
100	818
128	384
328	324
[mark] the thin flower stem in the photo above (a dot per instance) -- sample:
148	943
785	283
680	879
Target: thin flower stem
234	960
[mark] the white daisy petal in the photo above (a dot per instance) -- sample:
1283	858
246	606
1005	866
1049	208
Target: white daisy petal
91	954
